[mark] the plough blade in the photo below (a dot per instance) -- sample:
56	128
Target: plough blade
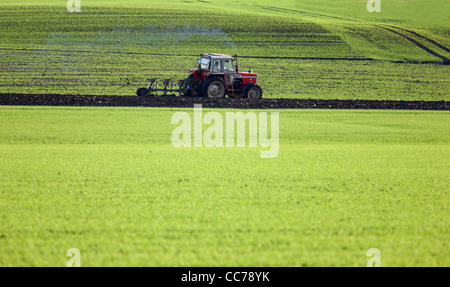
166	90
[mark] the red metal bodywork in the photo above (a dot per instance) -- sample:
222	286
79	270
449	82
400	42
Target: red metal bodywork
240	79
246	76
199	74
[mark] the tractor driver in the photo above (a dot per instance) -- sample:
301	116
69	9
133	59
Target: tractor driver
217	66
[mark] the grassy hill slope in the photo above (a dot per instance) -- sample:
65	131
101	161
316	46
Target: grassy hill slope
303	49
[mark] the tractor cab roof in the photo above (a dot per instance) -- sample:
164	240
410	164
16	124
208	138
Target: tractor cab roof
216	56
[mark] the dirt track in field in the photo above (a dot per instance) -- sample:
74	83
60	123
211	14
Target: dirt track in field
425	38
444	59
420	45
188	102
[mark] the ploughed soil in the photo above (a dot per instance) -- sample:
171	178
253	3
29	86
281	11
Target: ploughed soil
188	102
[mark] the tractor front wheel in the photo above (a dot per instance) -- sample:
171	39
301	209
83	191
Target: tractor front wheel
253	92
213	88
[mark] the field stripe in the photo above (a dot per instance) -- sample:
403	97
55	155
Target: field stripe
186	55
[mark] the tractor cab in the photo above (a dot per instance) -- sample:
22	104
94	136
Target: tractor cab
216	63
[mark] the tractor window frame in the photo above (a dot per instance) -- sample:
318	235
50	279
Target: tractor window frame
204	63
225	68
220	70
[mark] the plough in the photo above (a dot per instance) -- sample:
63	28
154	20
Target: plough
167	88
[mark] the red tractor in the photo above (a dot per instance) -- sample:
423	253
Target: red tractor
216	76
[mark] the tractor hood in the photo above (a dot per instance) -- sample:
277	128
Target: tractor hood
247	77
247	74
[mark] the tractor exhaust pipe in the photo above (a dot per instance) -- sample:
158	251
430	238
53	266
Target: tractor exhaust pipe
236	67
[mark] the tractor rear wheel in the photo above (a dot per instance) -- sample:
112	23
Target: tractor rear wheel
213	87
253	92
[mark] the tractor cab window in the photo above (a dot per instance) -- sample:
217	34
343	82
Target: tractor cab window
203	63
228	66
217	66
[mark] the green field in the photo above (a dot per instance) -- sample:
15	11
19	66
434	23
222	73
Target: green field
300	49
109	182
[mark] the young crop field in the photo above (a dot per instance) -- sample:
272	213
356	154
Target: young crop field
109	182
112	48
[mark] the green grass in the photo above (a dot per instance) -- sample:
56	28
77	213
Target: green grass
113	47
109	182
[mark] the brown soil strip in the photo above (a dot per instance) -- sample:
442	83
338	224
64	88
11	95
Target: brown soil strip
188	102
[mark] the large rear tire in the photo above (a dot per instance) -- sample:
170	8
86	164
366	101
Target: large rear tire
213	87
253	92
